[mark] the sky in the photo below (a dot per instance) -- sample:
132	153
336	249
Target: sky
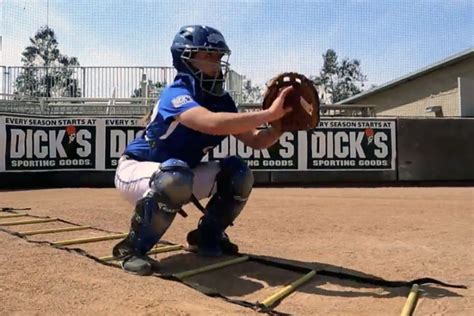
390	38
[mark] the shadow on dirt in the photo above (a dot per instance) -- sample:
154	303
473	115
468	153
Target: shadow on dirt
247	278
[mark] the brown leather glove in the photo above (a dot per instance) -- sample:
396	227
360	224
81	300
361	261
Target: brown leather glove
303	99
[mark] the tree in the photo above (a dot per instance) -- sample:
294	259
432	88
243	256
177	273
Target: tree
251	93
46	72
338	81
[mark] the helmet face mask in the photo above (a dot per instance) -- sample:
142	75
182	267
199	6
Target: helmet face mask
191	40
212	84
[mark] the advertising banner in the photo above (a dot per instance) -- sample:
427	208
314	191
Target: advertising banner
33	144
352	145
46	144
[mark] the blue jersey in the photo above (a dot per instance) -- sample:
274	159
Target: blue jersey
165	138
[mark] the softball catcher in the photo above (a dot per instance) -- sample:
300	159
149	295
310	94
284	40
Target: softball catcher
161	170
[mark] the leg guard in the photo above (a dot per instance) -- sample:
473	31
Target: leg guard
170	189
234	185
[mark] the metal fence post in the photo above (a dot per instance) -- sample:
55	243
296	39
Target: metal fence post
4	79
83	94
6	83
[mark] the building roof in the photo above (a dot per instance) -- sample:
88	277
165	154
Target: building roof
465	54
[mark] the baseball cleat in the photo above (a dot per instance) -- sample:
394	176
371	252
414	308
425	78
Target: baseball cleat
140	265
210	247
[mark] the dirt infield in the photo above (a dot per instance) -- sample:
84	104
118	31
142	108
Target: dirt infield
390	233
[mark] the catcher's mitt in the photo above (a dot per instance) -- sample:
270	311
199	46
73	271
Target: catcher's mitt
303	99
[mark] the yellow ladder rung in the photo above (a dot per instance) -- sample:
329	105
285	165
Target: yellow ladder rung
13	215
160	249
287	289
116	263
52	230
189	273
410	304
88	240
33	221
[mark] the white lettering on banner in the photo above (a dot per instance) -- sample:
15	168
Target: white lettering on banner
288	149
55	145
75	162
33	163
231	145
50	163
119	140
334	163
345	144
260	153
318	140
245	152
39	144
270	163
29	143
355	139
373	163
278	163
350	163
82	137
340	150
40	149
17	144
222	150
382	149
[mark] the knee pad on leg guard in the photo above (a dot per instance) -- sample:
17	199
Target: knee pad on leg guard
234	185
172	185
170	189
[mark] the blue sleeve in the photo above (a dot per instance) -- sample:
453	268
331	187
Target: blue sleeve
175	101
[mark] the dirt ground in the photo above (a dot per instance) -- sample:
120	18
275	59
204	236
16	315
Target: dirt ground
389	233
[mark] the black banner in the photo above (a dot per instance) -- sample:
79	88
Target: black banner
49	144
352	145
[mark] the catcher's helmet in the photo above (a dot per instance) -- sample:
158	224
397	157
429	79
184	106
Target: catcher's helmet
194	38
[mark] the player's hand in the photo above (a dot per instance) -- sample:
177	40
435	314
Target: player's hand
277	110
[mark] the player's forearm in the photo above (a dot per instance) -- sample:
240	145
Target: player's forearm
236	123
266	138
